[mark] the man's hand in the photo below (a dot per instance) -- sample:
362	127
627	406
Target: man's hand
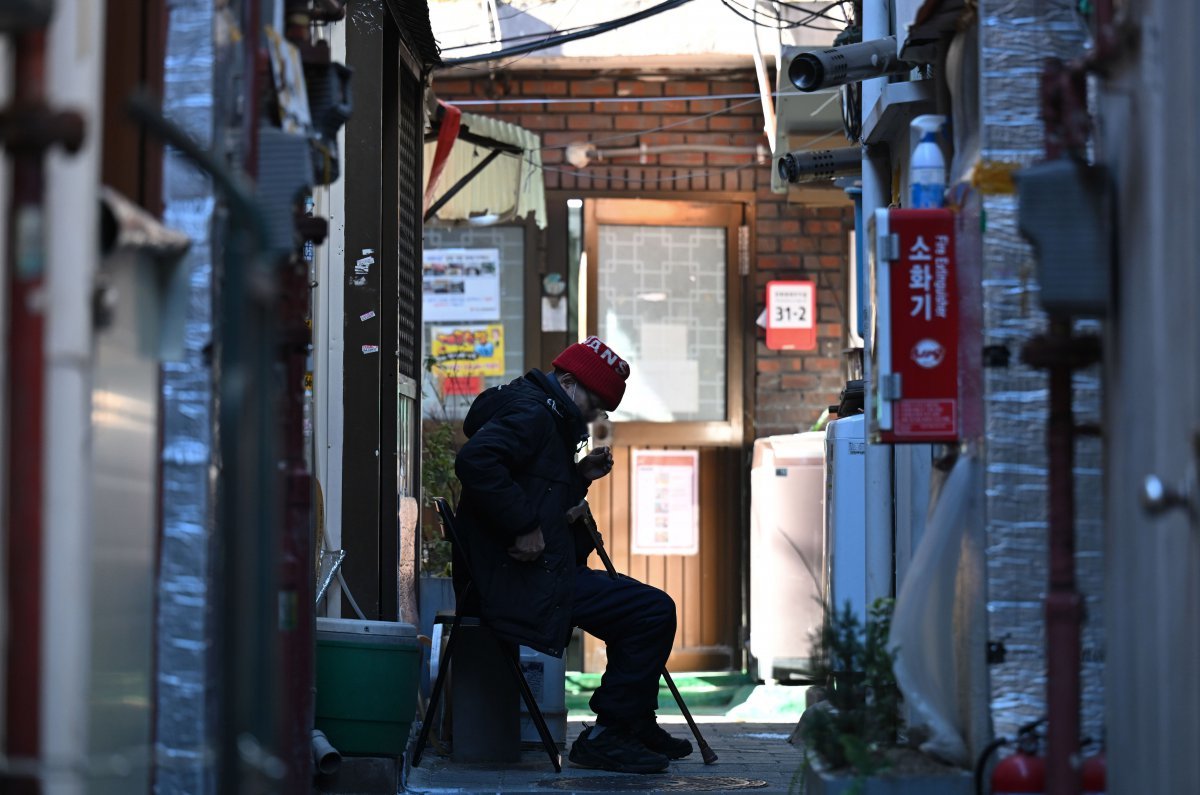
596	464
527	547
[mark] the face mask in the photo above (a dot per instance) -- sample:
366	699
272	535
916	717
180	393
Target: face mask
596	413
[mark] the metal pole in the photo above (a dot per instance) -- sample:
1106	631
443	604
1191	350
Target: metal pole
1060	353
27	129
1064	605
26	355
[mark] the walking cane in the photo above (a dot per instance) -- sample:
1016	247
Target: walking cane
583	512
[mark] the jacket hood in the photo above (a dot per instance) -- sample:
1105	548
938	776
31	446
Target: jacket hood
534	386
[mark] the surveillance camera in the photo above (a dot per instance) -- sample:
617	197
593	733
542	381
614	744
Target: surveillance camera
850	63
816	165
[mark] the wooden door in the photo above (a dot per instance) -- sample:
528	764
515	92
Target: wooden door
663	288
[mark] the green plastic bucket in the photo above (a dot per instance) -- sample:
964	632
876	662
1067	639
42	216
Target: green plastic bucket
367	675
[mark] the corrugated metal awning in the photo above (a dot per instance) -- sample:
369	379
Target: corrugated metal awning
510	187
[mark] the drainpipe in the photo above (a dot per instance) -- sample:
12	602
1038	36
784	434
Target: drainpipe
27	128
1064	111
1061	353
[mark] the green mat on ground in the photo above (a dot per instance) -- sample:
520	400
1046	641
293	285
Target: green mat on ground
730	694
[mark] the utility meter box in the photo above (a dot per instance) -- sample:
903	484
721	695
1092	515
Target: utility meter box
916	356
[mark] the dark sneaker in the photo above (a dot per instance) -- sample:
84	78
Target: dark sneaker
657	739
616	750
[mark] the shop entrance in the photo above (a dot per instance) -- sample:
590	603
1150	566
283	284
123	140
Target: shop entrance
661	285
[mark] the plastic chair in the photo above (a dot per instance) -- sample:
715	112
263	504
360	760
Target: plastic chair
535	713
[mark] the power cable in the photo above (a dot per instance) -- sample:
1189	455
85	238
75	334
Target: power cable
600	100
507	64
748	14
820	12
516	13
539	35
678	123
657	181
553	41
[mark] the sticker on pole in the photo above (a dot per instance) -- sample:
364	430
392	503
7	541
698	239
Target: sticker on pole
791	316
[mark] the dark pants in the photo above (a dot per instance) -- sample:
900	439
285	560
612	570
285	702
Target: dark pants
637	624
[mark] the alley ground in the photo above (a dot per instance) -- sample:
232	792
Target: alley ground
750	740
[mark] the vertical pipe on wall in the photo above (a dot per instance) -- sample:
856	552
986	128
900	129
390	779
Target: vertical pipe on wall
328	341
25	353
73	79
1064	607
876	190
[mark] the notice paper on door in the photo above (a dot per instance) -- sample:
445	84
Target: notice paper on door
665	501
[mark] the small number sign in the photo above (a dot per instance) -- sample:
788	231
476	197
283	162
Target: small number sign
791	316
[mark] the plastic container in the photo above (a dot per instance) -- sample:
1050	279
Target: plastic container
787	507
927	168
547	678
367	678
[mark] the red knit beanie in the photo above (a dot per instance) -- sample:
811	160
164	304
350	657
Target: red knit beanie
597	366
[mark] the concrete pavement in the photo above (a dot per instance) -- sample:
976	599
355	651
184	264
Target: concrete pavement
753	754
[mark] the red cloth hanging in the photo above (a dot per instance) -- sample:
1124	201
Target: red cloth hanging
447	135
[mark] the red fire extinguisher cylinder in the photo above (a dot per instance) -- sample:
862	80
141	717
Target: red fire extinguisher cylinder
1094	774
1021	772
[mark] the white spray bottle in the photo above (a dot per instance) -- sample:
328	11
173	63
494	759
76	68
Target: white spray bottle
927	167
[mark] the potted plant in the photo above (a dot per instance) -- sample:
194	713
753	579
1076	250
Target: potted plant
852	733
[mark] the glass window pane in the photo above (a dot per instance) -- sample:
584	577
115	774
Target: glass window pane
661	304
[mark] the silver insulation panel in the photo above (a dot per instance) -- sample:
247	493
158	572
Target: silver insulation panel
185	670
1015	38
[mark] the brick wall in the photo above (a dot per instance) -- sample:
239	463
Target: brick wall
791	241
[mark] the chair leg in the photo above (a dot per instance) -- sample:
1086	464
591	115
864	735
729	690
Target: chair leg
435	696
535	712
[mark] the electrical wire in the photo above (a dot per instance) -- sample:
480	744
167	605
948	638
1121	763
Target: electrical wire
600	100
749	14
516	13
656	181
678	123
539	35
783	23
823	12
553	41
579	174
552	34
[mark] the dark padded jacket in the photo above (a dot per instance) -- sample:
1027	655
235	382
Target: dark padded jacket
518	473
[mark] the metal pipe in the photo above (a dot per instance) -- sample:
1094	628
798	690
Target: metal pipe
327	760
716	149
581	154
25	453
1061	354
1064	605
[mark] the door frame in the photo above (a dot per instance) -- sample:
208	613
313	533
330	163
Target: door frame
729	211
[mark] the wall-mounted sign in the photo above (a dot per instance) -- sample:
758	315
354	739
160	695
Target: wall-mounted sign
665	501
464	351
918	305
791	316
461	284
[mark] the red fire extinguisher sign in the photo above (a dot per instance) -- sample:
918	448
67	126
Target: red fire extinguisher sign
916	293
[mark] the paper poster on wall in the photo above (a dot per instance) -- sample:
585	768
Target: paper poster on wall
461	284
554	313
665	492
467	350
